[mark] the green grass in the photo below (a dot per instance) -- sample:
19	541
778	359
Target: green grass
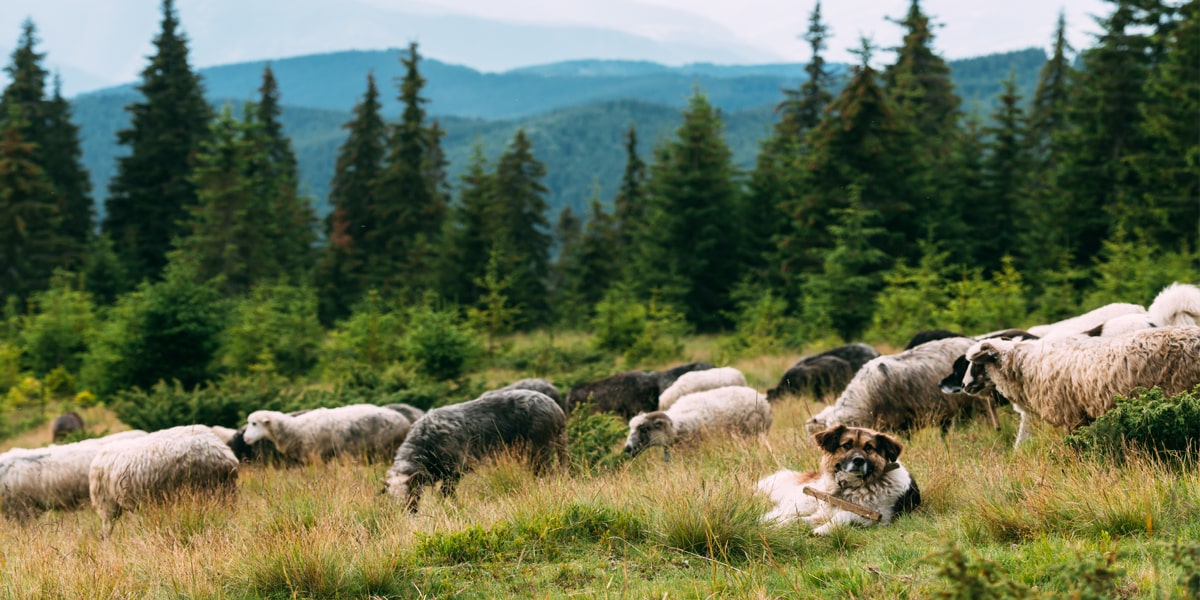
1042	522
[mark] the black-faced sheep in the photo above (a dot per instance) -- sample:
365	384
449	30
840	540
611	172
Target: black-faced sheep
1069	382
64	425
132	472
824	373
929	335
699	381
900	391
364	430
443	444
732	409
666	377
625	394
56	477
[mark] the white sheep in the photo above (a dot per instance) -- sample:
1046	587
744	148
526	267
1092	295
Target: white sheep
1176	305
733	409
1085	322
699	381
900	391
55	477
322	433
131	472
1069	382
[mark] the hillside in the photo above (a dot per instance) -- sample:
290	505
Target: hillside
575	112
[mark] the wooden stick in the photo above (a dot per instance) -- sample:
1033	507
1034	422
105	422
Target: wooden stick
843	504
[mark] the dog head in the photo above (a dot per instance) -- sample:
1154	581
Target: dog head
856	456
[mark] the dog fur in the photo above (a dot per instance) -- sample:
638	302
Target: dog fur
854	467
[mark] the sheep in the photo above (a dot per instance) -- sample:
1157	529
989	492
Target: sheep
929	335
899	391
537	385
733	409
953	383
625	394
65	424
409	411
1069	382
1086	321
1176	305
823	374
259	453
699	381
667	377
56	477
129	473
367	430
443	444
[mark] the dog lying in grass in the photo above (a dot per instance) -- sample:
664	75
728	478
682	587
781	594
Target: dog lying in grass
859	470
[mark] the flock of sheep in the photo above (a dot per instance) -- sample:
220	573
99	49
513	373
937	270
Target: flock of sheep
1066	373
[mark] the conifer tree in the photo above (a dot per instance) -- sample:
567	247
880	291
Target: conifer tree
408	212
63	158
992	216
630	203
268	112
691	249
468	240
802	109
919	80
30	246
27	88
1047	114
152	190
585	267
521	229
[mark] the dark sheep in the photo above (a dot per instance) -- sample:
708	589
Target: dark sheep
64	425
823	374
668	376
444	443
929	335
625	394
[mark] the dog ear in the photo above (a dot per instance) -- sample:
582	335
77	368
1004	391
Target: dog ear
831	438
888	446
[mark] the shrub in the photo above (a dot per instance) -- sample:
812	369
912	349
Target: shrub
761	324
439	343
275	328
225	403
59	326
1146	419
594	439
641	332
372	337
980	579
905	303
978	304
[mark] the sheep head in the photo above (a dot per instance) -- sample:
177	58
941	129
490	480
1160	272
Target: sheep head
976	380
649	429
258	425
404	486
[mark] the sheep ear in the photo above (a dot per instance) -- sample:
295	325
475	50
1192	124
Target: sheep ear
987	353
831	438
888	446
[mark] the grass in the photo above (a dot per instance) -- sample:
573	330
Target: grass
1036	523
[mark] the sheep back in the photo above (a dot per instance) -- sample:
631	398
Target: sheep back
698	381
816	375
537	385
65	424
625	394
666	377
735	409
365	430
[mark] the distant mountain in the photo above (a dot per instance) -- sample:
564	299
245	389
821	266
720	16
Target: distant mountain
575	112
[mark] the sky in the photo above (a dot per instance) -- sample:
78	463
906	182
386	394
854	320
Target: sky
98	43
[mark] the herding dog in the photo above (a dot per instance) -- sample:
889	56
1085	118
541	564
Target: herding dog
858	465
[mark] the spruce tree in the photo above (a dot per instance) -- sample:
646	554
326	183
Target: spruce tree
149	197
63	161
268	112
26	90
629	206
1047	114
691	250
919	81
585	267
30	246
802	109
992	216
408	212
468	240
521	230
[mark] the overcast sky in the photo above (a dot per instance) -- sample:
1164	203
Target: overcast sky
100	42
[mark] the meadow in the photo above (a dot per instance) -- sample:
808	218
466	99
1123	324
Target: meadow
1041	522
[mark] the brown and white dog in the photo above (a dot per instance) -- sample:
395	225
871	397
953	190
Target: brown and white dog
858	465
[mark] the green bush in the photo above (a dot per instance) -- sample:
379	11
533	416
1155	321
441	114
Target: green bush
974	578
160	332
1146	419
225	402
594	439
274	329
641	332
761	324
59	326
370	339
440	343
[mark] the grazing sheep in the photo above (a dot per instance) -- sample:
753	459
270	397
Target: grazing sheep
899	391
409	411
365	430
1086	321
259	453
1069	382
56	477
953	383
1176	305
666	377
64	425
625	394
734	409
443	443
127	474
226	434
537	385
820	376
699	381
929	335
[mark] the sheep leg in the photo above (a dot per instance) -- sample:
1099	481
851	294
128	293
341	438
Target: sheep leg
1023	428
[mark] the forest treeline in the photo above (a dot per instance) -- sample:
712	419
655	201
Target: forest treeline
876	207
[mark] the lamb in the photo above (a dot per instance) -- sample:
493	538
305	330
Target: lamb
732	409
823	374
132	472
443	443
365	430
1069	382
699	381
56	477
899	391
666	377
65	424
625	394
1176	305
1086	321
